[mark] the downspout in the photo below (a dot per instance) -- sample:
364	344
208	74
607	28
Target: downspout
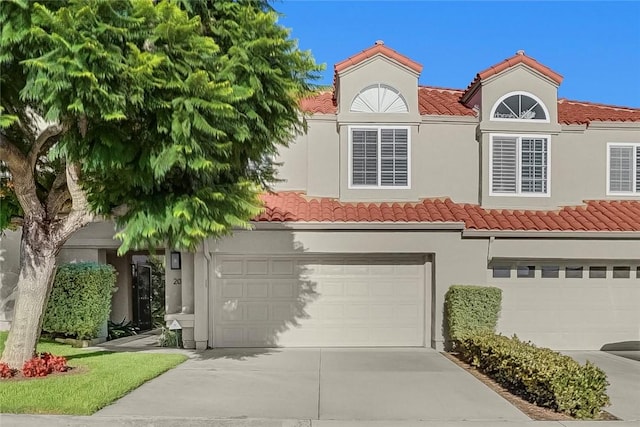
490	249
207	256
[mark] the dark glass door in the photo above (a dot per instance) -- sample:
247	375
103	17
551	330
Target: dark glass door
142	296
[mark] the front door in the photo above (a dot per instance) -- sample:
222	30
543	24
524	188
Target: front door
142	296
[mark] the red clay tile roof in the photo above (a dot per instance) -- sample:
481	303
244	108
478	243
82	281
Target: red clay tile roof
579	112
595	216
446	102
519	58
441	101
322	103
378	48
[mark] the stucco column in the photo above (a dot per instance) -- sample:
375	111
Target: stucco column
201	302
187	282
173	286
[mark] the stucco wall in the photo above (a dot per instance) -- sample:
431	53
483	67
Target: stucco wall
558	313
121	307
455	261
9	269
450	155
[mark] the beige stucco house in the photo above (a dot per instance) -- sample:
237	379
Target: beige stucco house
398	191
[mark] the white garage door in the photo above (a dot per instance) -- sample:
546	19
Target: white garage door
327	301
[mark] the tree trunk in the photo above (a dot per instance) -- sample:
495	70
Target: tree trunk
37	270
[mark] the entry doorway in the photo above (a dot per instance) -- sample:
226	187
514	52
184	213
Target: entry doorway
141	287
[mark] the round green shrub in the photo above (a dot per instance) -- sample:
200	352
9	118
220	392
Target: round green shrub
80	300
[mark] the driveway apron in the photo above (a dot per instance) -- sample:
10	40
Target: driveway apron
623	372
326	384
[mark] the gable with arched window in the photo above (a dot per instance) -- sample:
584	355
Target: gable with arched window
379	155
379	98
520	106
519	164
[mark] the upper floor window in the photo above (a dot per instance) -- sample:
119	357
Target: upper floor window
623	168
520	106
379	98
379	157
519	165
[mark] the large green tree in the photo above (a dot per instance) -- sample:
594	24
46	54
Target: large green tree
163	115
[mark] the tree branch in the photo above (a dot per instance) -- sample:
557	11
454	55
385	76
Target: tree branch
58	195
80	214
22	176
45	139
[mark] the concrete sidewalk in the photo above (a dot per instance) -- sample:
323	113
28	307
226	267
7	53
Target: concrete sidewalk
100	421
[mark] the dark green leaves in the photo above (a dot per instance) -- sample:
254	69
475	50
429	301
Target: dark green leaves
173	109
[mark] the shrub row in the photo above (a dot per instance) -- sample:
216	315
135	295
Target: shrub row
38	366
470	310
540	375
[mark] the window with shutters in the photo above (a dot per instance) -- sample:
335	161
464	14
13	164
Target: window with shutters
379	157
520	106
623	168
519	165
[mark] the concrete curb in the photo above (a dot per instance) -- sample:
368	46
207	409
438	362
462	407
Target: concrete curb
11	420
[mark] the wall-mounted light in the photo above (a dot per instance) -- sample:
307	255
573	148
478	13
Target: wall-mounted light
176	262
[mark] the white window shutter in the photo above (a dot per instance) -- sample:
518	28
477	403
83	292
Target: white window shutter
393	157
533	165
504	164
364	157
621	168
637	189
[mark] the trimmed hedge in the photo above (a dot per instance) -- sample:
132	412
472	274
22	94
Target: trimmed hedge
80	300
470	310
540	375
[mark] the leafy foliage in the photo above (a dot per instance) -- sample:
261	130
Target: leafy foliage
164	113
6	371
169	338
540	375
80	301
471	309
172	108
43	365
55	363
120	329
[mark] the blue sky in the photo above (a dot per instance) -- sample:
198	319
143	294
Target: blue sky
595	46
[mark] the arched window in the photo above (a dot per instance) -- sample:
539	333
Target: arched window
520	106
379	98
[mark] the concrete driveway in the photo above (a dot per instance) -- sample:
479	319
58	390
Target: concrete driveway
318	384
623	372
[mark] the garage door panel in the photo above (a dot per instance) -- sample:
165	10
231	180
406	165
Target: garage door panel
319	301
257	289
282	267
257	267
232	289
232	267
284	288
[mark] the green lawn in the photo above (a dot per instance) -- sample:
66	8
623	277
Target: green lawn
101	378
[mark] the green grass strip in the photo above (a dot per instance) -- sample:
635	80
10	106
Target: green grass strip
100	378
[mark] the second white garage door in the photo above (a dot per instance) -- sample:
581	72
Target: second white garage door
321	301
